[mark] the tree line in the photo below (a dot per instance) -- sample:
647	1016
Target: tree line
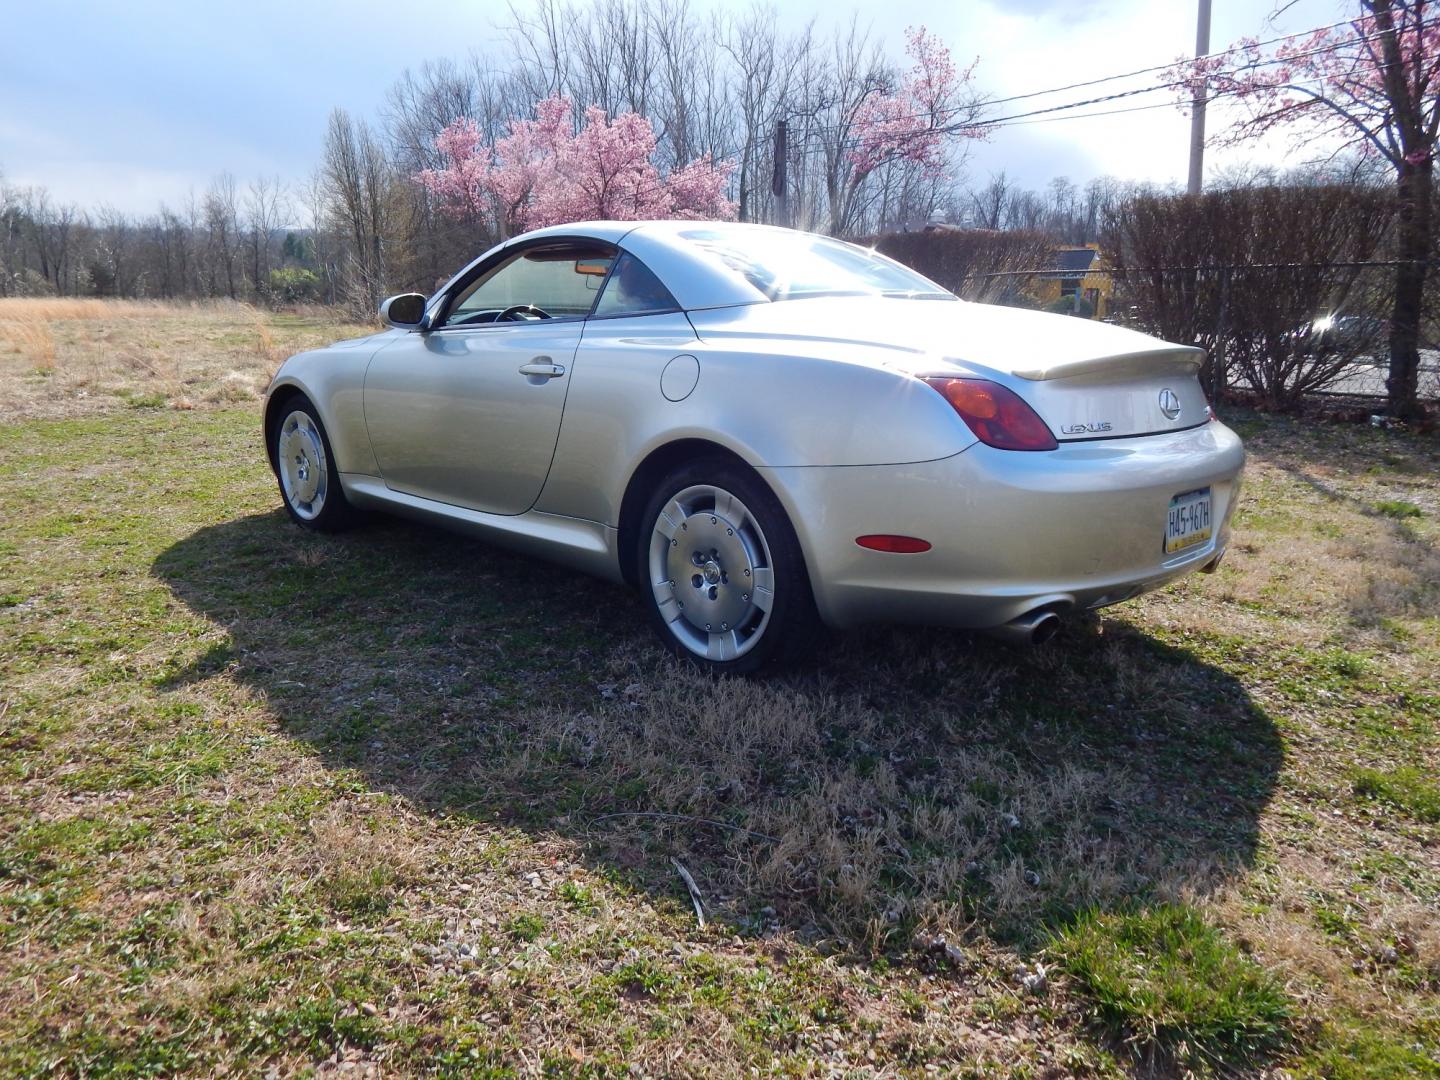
714	86
259	241
819	128
227	241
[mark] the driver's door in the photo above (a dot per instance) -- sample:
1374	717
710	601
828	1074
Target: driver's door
468	413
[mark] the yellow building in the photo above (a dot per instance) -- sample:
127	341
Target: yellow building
1077	278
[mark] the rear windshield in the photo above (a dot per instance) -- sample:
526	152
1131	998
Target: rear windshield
783	265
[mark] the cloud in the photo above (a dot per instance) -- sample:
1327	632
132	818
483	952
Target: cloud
1061	11
155	97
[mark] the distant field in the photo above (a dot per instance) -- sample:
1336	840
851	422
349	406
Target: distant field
398	803
69	357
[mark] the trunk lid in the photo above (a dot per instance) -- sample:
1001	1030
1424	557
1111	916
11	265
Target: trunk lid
1086	380
1140	393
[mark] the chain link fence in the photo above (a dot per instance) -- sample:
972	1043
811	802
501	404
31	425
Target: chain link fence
1288	288
1279	332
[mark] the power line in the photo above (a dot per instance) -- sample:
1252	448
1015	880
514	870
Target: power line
1176	84
1162	67
805	138
1001	121
1089	115
806	144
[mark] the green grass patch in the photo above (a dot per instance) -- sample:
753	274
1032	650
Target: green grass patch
1398	508
526	927
360	894
578	898
1406	788
1362	1053
1171	987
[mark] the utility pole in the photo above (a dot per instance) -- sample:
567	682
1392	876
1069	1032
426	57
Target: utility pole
780	181
1197	107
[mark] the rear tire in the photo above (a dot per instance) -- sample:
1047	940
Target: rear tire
721	573
305	469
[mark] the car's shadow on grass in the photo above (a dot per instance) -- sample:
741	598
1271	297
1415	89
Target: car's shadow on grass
908	778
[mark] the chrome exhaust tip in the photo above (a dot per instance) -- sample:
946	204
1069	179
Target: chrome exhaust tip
1044	627
1034	628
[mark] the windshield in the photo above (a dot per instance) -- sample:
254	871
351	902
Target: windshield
784	265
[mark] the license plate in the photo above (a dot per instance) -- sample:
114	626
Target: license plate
1188	523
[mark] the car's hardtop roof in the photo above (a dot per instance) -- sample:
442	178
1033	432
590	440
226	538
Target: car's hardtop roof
695	275
615	232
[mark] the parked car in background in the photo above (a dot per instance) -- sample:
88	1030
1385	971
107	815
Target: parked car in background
766	431
1346	336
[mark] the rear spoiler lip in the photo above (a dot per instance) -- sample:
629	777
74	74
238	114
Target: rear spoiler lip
1169	360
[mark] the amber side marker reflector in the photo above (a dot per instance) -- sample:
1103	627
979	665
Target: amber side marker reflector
896	545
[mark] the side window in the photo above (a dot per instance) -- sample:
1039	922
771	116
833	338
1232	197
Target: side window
633	289
558	282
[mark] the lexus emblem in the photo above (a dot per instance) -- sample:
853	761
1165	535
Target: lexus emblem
1169	404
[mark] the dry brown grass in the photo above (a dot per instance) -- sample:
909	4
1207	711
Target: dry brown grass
69	357
57	308
879	849
289	800
32	341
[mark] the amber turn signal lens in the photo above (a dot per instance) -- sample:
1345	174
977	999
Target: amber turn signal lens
998	416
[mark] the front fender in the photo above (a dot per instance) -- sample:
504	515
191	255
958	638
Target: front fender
333	378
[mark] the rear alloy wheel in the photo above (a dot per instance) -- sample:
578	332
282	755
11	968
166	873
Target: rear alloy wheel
306	470
722	573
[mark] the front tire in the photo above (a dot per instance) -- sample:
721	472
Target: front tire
305	469
721	573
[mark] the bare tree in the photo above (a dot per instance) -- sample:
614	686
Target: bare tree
49	230
421	103
991	202
757	85
1371	84
12	255
1243	272
222	237
361	200
111	267
266	206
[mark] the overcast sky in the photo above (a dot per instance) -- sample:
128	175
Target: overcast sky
137	103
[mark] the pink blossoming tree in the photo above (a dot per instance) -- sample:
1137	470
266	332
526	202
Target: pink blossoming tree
1372	84
910	119
544	172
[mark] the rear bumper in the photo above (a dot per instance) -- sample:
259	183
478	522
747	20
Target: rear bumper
1078	527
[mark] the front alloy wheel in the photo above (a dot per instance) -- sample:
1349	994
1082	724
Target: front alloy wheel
303	465
306	470
726	582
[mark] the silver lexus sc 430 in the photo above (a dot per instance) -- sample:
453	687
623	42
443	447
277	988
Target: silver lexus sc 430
764	431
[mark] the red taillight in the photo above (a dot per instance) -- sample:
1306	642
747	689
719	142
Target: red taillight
998	417
896	545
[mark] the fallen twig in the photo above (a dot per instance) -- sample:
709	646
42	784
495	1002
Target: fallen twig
694	890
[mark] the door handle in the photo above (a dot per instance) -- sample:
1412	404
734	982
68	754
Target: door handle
541	369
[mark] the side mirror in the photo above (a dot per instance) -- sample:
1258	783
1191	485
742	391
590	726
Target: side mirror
404	312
